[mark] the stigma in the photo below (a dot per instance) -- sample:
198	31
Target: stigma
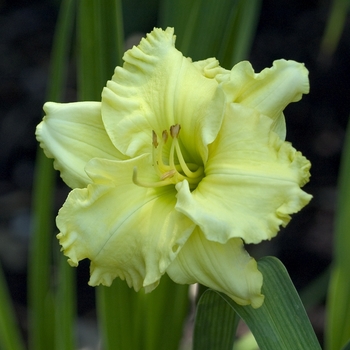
170	166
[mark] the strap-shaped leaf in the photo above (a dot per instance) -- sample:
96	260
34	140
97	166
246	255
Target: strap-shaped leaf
338	301
43	308
215	324
209	28
280	323
347	346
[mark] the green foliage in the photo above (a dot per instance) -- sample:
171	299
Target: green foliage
215	324
280	323
100	45
9	333
347	346
130	320
338	313
209	28
334	28
40	294
127	320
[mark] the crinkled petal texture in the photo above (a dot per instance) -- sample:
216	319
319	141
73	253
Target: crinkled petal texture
252	181
125	230
232	126
269	91
158	87
226	268
72	134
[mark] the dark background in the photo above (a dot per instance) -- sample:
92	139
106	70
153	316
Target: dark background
315	126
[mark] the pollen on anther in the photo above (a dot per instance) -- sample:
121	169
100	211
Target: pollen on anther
168	174
175	130
165	136
154	139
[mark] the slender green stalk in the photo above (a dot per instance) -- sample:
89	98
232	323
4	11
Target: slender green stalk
40	296
65	303
338	303
61	48
10	337
66	292
41	306
88	75
334	29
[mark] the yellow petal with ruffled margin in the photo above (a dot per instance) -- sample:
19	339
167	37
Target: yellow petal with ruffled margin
72	134
269	91
158	87
125	230
210	68
252	181
226	268
245	179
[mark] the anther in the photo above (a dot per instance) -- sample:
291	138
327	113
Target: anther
168	174
154	139
175	130
175	168
165	136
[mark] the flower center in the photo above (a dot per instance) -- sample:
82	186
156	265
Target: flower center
169	172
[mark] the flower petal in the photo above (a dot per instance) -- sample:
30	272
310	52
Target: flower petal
158	87
252	181
226	268
125	230
210	68
72	134
269	91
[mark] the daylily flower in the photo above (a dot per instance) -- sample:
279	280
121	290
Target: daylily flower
178	166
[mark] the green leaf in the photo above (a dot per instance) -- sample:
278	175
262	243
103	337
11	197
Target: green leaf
40	294
347	346
100	42
170	302
65	306
130	320
334	28
117	314
338	303
206	28
281	322
239	32
10	337
215	323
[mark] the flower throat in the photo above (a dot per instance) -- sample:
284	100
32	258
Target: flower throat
170	173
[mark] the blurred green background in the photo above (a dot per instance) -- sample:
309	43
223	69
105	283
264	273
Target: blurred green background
316	126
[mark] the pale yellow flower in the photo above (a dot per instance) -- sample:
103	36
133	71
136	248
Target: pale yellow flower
178	165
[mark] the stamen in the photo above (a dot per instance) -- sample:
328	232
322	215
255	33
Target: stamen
154	139
172	155
175	130
186	170
170	173
165	136
146	184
